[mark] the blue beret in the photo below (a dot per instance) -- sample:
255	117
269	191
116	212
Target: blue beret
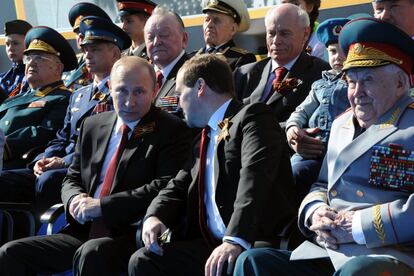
98	29
80	10
370	42
48	40
135	6
328	30
17	26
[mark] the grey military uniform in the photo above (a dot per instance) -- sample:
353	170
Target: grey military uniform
372	173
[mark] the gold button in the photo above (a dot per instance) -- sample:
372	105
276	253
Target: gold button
334	193
360	193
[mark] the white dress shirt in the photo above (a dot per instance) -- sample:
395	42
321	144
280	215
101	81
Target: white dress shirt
112	147
214	221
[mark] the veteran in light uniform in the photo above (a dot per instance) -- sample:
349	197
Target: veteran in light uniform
30	120
223	20
361	207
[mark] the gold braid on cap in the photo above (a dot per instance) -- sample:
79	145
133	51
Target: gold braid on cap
362	56
40	45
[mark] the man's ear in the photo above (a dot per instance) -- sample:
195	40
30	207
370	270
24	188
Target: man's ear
201	85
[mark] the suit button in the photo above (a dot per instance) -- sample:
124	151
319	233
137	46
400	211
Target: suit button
359	193
7	123
334	193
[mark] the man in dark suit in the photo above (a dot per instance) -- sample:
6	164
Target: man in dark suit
102	48
223	20
284	79
133	15
166	40
31	119
122	160
229	188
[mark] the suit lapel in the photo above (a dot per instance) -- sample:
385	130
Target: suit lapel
143	131
170	79
364	142
298	68
232	110
257	93
103	138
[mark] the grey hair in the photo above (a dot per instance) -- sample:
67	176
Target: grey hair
394	70
163	11
303	17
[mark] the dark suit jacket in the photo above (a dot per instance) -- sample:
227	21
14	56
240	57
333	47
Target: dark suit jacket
254	180
251	79
147	163
168	87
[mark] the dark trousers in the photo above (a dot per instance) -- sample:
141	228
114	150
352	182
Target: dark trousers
269	261
305	172
21	185
180	258
60	252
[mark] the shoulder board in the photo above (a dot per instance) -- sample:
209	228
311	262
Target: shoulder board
239	50
346	111
411	106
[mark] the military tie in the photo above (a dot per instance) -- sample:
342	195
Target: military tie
98	228
202	218
211	50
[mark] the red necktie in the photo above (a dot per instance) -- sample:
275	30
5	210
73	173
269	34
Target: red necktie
98	228
113	164
202	220
159	78
280	73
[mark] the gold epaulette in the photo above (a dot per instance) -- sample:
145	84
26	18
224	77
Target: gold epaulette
239	50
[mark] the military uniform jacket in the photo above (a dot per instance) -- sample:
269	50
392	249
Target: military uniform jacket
168	87
251	79
140	51
13	79
154	153
235	56
252	184
32	119
81	104
350	180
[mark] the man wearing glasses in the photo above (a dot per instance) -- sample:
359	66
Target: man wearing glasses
31	119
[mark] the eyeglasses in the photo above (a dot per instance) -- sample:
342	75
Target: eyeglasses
36	58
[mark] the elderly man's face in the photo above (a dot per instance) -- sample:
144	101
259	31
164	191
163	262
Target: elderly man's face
15	47
164	39
132	91
41	68
218	28
372	92
285	37
400	13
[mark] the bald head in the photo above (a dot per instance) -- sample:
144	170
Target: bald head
287	30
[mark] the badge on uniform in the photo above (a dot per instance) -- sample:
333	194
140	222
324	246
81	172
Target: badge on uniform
99	96
37	104
392	167
102	107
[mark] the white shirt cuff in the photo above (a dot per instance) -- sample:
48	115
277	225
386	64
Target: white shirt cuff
309	209
357	232
239	241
